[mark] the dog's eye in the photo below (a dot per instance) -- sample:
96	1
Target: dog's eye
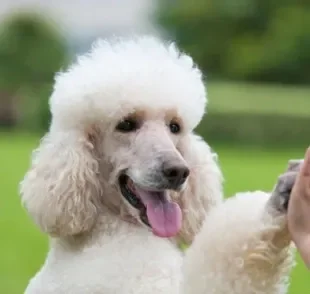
174	128
127	125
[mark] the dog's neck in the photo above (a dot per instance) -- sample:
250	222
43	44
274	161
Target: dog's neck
108	225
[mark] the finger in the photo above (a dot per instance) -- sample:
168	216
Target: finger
302	185
306	173
306	165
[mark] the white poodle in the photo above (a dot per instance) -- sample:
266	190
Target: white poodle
121	179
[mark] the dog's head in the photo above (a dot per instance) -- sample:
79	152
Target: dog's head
120	137
145	164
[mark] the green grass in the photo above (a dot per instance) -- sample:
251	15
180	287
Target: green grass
23	247
259	99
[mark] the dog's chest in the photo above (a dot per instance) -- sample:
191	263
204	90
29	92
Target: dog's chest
121	265
145	267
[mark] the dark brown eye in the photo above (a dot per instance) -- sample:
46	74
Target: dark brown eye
127	125
174	128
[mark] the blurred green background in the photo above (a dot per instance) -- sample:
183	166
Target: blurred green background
256	58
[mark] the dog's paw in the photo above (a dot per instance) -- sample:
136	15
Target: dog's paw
280	195
294	164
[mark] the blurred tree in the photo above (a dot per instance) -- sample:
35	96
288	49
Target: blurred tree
31	51
257	40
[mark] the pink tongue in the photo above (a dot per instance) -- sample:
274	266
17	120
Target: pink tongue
164	217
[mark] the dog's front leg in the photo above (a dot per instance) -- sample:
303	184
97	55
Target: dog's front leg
244	246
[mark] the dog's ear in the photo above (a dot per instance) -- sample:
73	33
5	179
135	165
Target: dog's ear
61	189
204	188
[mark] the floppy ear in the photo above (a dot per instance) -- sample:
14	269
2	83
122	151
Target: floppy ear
204	188
61	189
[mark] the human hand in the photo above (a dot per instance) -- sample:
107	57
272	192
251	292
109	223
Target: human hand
299	211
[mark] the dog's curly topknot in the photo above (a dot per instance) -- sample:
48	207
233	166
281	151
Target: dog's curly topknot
154	73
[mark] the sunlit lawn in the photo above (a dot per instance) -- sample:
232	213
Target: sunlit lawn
256	98
23	248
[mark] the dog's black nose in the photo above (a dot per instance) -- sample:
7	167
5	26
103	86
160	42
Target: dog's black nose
176	175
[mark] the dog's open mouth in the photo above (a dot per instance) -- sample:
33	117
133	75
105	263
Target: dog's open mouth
156	211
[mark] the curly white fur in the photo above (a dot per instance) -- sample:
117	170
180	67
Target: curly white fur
98	244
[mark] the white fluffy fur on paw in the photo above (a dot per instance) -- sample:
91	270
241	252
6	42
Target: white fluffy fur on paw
235	251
